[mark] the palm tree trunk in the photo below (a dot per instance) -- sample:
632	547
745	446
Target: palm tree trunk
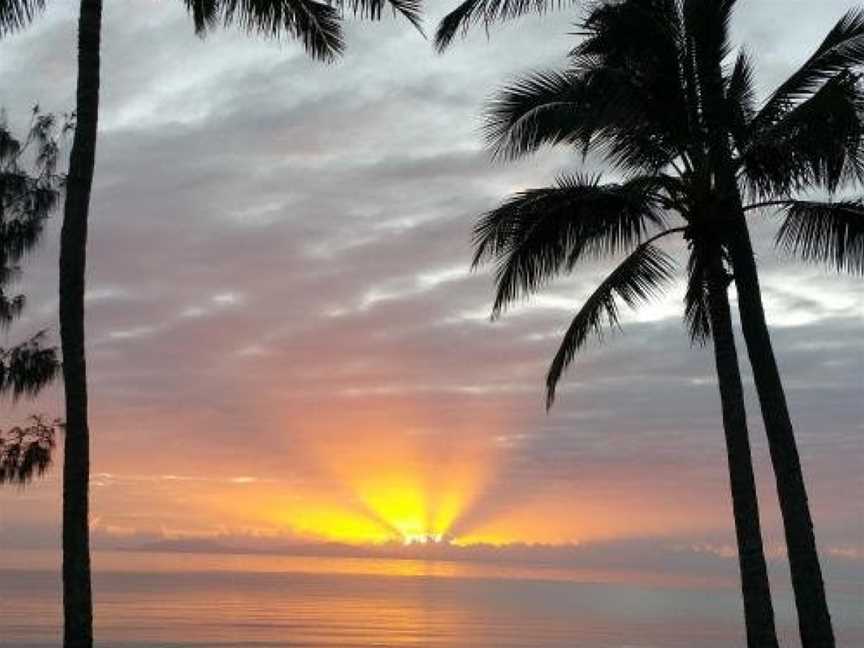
758	609
814	620
77	600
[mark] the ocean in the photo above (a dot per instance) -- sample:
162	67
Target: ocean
210	601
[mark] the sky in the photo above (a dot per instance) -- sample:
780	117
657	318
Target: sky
286	345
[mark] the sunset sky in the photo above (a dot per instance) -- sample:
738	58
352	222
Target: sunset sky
286	344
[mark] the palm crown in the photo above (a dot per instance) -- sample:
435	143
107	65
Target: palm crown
639	91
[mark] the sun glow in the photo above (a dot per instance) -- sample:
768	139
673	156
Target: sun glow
375	481
400	485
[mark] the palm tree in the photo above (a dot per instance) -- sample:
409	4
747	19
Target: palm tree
27	199
540	233
807	136
317	25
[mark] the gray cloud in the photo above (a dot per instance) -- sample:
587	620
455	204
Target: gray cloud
273	238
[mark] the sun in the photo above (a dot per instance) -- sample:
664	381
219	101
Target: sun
393	480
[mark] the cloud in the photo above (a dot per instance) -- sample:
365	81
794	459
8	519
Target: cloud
279	254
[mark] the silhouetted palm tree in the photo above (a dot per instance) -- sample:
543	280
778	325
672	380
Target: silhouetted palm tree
29	193
541	233
806	136
654	89
317	25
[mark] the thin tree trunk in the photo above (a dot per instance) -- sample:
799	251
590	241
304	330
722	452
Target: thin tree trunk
77	600
758	609
814	620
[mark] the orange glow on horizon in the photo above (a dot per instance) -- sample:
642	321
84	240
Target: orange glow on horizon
380	480
384	476
409	489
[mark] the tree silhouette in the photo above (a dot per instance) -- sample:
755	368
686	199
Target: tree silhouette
654	89
26	452
317	26
28	196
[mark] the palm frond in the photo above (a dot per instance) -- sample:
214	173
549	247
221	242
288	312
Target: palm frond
621	96
487	12
17	14
640	277
632	33
707	25
411	10
842	49
831	233
541	232
205	14
818	142
538	109
697	315
611	111
317	25
740	99
636	93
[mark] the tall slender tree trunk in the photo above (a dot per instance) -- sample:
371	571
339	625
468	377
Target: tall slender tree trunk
814	620
77	600
758	609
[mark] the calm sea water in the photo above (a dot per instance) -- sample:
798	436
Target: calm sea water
174	601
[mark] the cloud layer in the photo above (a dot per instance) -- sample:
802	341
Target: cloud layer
281	319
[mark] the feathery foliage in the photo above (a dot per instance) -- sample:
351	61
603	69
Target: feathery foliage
27	367
17	14
740	105
654	90
640	277
636	92
817	143
842	50
830	233
29	192
26	452
697	314
487	12
541	232
534	111
317	25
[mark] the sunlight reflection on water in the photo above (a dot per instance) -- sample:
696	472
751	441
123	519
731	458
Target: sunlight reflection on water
170	562
173	600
